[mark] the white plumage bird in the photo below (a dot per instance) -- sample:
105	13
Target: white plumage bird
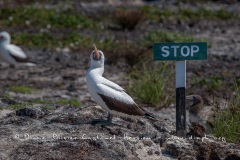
109	95
12	53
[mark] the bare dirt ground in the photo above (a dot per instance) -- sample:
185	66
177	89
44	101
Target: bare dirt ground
64	132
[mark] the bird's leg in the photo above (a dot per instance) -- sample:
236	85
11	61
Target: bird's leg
102	121
109	118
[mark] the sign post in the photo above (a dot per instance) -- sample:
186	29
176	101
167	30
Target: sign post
180	52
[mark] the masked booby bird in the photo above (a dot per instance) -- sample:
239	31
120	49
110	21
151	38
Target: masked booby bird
12	53
109	95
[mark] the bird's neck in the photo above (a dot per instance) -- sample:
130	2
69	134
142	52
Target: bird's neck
195	108
96	71
5	42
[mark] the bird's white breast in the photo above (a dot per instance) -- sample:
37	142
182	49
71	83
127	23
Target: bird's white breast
92	82
5	55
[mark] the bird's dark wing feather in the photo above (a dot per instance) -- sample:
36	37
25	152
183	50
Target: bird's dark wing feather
17	53
120	106
19	59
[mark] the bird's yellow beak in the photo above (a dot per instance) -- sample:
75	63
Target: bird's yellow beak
97	55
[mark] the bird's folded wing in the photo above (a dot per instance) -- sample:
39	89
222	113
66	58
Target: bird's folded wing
112	85
17	53
118	100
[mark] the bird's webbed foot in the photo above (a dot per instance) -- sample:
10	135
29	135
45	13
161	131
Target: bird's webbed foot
102	122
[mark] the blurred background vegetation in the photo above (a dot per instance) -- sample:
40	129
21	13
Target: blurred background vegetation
37	24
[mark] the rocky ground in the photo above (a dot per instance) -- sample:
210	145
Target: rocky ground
58	131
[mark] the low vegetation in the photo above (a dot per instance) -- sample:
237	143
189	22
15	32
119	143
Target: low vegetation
5	95
47	107
157	15
165	36
18	106
44	18
72	102
47	40
227	121
202	13
149	83
21	89
164	15
211	83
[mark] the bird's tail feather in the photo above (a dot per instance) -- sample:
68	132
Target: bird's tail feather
151	117
30	64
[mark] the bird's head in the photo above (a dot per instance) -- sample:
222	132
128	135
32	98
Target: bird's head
195	99
196	102
4	37
97	58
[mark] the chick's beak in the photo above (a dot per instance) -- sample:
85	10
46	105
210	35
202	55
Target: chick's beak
96	53
189	98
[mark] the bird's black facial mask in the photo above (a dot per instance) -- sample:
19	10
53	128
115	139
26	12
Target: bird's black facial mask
96	57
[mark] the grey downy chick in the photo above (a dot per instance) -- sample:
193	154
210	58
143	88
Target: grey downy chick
199	114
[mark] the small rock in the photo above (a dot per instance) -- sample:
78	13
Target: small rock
148	135
163	127
177	146
127	144
147	143
3	156
8	101
71	88
149	151
65	118
130	126
5	113
98	143
232	156
32	112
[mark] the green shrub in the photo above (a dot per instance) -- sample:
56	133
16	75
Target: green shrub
149	83
47	40
41	18
203	13
71	102
210	83
156	14
227	121
21	89
47	107
18	106
215	83
165	36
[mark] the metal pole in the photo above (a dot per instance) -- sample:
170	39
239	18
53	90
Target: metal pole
180	98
